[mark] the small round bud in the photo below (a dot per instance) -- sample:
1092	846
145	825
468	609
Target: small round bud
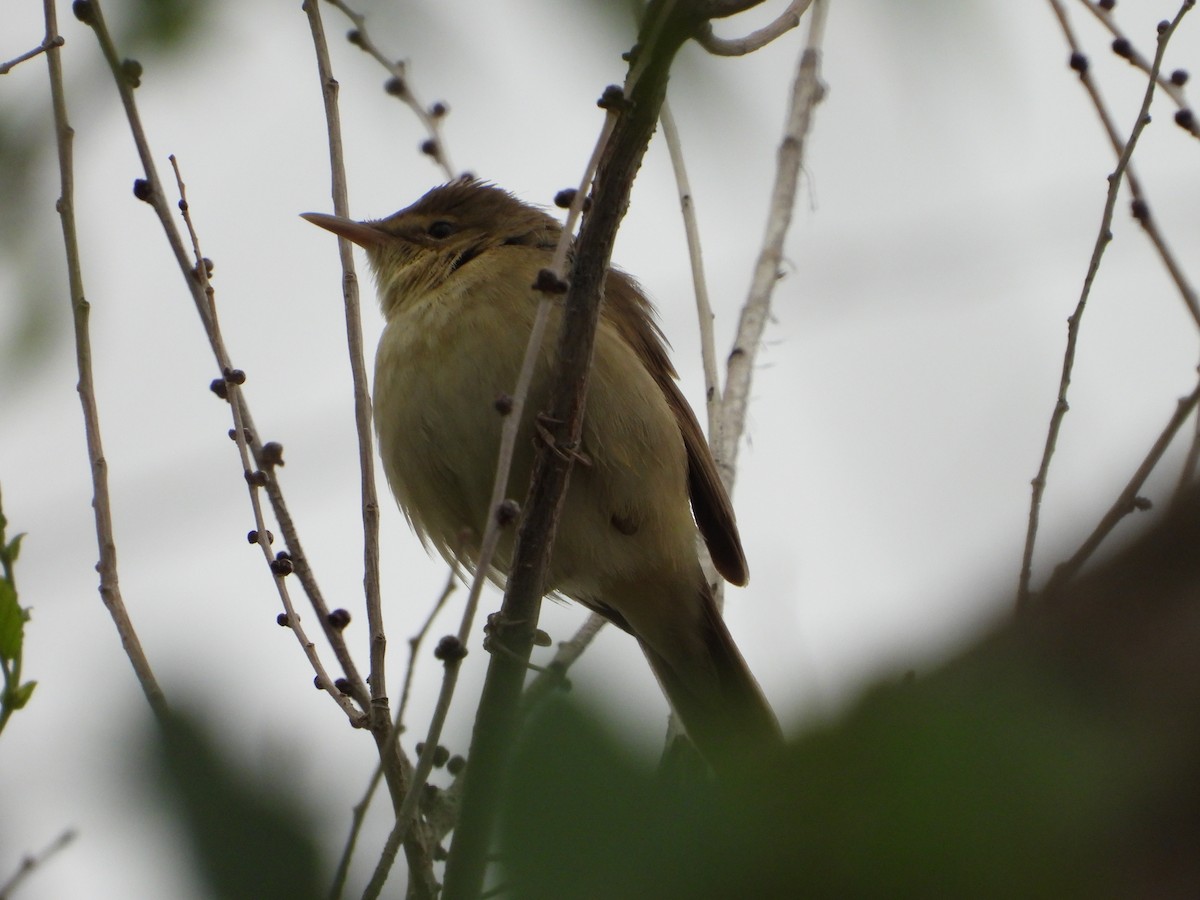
1107	4
613	99
1163	26
343	685
84	11
142	190
317	682
440	756
564	198
1079	62
257	478
237	376
1179	77
272	454
455	764
1140	210
282	620
355	37
449	649
429	147
396	87
503	404
131	71
438	110
541	638
339	618
420	748
1122	47
1142	503
218	387
282	566
507	512
548	282
1185	118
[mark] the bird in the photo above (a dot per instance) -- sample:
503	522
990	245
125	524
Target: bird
454	273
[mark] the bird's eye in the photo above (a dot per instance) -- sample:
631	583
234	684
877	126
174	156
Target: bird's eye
440	229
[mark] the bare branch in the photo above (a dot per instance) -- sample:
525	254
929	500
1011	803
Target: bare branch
1130	53
30	863
756	40
398	86
1127	502
110	588
48	43
1073	322
380	714
807	92
704	312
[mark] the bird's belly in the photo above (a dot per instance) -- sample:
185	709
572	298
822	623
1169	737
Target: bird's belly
438	374
439	370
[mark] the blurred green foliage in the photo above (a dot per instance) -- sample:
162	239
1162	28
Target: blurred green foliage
1056	758
14	693
249	837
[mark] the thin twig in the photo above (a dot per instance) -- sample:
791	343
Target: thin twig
381	715
398	86
1103	238
1133	57
554	673
261	534
359	811
1191	463
30	863
756	40
1140	205
1127	502
807	92
48	43
422	882
110	588
150	190
704	311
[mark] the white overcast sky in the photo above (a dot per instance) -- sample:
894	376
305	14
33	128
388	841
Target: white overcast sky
952	192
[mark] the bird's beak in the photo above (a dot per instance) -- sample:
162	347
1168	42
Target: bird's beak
364	234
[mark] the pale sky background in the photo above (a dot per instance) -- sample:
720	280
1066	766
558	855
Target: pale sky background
953	189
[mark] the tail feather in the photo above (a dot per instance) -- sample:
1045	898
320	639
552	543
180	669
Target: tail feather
716	697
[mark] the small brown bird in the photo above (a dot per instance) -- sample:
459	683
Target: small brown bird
454	272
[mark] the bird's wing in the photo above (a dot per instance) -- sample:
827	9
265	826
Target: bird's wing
633	317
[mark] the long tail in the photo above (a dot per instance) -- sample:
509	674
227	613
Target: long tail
713	692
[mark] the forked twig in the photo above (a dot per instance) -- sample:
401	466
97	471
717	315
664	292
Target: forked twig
1073	322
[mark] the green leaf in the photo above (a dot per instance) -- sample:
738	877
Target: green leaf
12	621
13	548
19	697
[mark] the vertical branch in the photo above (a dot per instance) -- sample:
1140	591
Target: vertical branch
635	111
381	716
704	312
417	844
807	92
110	588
